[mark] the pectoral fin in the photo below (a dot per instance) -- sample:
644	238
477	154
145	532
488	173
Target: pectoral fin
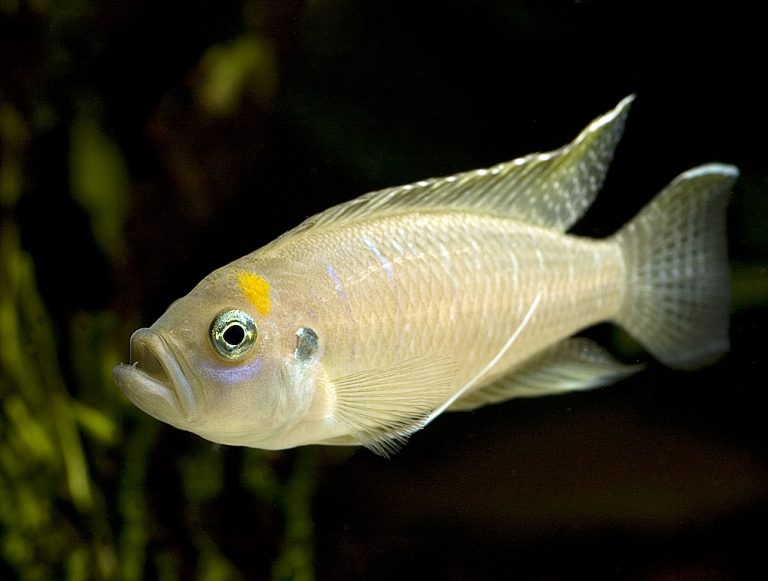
383	407
571	365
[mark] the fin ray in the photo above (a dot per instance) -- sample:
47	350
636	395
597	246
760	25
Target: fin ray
551	190
383	407
677	295
571	365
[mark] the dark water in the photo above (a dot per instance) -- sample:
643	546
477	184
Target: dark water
144	145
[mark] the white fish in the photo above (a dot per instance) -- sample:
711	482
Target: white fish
367	321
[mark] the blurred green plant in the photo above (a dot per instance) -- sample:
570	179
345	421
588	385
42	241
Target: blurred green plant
234	69
75	456
57	449
46	491
295	561
99	182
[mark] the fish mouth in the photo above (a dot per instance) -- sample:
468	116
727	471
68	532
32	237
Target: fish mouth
154	374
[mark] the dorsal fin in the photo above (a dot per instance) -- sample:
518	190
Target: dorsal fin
551	189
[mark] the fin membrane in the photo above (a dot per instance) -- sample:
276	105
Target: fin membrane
383	407
552	190
677	297
571	365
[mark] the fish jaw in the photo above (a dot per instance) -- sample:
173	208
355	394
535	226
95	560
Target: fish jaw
154	381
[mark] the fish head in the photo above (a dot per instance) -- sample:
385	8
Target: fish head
220	363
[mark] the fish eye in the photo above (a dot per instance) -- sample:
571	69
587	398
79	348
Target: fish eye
233	333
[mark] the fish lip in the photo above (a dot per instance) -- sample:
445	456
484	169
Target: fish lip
168	381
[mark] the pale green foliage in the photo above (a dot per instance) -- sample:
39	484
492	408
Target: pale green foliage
99	181
245	66
74	455
43	463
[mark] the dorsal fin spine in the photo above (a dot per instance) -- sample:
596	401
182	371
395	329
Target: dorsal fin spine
551	190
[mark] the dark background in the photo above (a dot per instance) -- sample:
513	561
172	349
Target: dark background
146	143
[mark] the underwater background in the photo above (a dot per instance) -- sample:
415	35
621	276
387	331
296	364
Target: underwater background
143	144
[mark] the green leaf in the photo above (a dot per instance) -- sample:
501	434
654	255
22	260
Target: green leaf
99	181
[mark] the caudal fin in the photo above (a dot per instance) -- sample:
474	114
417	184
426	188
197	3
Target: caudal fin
677	296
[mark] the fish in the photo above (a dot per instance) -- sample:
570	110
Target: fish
367	321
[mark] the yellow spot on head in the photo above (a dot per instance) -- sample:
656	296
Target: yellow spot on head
256	290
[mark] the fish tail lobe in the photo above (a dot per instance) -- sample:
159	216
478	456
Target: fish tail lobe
677	295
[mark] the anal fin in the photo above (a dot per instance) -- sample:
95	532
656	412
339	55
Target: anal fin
571	365
382	407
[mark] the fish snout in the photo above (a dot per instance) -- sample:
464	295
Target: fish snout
152	358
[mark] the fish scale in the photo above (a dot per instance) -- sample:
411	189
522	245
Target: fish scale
497	279
367	321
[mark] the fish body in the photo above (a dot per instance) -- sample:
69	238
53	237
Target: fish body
367	321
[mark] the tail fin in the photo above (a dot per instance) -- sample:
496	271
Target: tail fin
677	298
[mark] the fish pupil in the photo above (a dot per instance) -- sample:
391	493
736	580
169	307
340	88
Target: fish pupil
234	335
